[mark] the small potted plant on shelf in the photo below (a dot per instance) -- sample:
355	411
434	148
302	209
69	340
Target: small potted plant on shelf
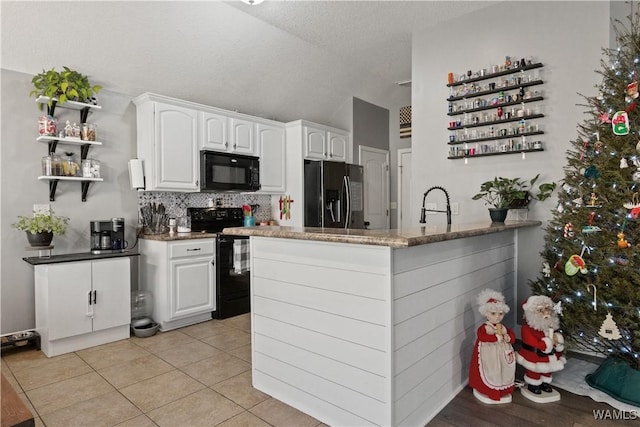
511	193
66	85
41	227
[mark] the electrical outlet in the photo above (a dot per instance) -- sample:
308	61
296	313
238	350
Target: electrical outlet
455	208
432	207
45	207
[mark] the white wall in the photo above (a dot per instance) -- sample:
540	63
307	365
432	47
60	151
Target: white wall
567	37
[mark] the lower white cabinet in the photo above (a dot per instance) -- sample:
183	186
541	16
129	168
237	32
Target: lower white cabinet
181	277
82	304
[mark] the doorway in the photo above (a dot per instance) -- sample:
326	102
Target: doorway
375	163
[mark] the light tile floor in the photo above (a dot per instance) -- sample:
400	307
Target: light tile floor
199	375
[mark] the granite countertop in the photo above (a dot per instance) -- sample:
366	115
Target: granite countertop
395	238
83	256
167	237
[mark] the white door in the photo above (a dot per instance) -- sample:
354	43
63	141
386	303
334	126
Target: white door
112	292
375	163
404	188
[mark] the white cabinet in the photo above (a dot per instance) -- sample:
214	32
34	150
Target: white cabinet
220	132
181	277
271	149
82	304
323	144
168	144
214	131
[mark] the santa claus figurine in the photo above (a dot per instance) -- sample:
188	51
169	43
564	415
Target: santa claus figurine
542	347
493	365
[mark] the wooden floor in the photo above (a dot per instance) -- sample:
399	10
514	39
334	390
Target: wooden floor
571	411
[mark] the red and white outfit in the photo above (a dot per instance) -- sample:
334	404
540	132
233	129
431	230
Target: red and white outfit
493	364
539	355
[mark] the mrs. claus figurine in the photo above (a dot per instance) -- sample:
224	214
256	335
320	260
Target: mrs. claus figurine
493	364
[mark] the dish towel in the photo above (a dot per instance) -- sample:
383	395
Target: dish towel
241	256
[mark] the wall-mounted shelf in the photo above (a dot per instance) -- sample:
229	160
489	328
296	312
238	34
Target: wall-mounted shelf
498	116
499	153
53	184
497	122
494	75
53	141
503	104
71	105
495	137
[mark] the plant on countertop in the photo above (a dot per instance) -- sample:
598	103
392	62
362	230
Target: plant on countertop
42	222
66	85
503	193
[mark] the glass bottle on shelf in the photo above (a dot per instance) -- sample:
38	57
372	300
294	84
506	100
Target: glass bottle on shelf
46	166
56	165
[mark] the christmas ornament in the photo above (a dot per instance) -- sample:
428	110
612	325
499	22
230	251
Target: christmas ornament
592	172
632	91
591	228
620	123
598	146
635	202
604	118
636	175
578	202
638	147
622	242
546	269
609	329
623	163
568	230
592	201
575	264
620	260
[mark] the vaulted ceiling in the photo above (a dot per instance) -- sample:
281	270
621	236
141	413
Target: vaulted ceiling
280	59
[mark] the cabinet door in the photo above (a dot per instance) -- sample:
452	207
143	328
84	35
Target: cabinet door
338	147
112	287
242	139
69	289
214	131
271	147
176	151
315	143
192	286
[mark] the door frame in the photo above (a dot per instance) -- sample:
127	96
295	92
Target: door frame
399	211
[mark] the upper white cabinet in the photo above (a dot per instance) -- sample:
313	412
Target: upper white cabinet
222	132
323	144
271	148
168	144
214	131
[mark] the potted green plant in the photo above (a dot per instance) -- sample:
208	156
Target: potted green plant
42	226
507	193
66	85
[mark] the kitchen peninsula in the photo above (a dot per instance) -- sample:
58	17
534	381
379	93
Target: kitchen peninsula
372	327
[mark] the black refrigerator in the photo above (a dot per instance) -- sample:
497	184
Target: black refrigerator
333	194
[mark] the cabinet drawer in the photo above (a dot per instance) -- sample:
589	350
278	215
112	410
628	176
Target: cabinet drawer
191	248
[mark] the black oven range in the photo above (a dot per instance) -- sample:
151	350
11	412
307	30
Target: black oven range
231	259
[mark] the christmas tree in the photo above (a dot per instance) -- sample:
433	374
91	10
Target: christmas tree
592	243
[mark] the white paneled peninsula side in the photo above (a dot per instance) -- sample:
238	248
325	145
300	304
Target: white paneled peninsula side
372	327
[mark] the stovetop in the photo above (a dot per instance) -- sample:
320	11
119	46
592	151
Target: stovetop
213	220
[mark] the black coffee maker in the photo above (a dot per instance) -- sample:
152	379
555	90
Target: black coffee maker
107	236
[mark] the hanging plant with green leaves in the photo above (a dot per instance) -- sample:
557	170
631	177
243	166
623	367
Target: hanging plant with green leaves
66	85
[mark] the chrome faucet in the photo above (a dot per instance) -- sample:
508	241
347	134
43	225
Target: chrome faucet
423	213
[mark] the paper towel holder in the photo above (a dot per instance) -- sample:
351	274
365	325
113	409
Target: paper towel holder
136	174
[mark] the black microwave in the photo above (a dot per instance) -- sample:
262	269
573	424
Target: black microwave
228	172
